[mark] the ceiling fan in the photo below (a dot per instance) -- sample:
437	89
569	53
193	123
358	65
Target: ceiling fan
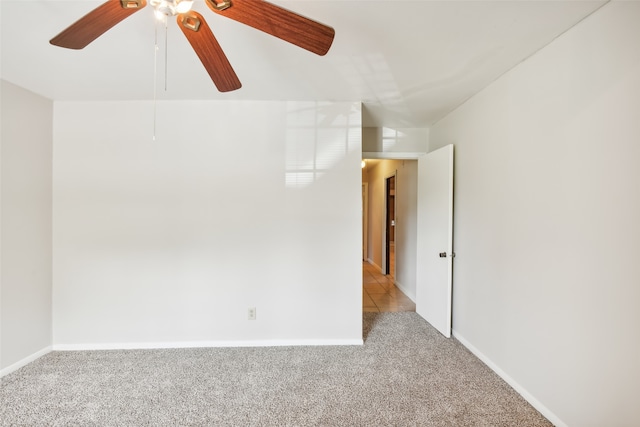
259	14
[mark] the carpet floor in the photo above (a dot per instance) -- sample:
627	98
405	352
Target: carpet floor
406	374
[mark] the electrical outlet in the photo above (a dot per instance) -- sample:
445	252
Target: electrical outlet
252	313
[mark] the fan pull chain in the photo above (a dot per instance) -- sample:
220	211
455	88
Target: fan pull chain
166	51
155	81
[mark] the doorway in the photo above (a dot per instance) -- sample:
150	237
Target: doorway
365	220
389	207
390	225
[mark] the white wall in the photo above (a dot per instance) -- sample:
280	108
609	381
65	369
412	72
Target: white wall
25	279
396	143
235	205
547	222
406	219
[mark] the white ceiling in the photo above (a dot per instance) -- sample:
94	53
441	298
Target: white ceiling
409	61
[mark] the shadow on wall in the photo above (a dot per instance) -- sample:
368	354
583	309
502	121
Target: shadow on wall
399	143
309	157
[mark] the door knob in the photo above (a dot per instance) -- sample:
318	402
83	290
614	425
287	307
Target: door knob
443	254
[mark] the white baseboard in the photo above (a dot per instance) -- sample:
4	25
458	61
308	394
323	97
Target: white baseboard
19	364
513	383
203	344
407	292
370	261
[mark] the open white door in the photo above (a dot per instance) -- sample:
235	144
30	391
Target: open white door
435	238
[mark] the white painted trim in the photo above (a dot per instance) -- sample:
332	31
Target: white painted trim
370	261
411	295
407	292
19	364
204	344
555	420
391	155
393	175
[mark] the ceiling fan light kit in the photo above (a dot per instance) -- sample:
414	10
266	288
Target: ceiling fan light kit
259	14
170	7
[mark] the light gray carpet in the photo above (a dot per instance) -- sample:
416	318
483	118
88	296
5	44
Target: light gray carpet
406	374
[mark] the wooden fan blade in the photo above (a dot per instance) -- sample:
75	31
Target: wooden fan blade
282	23
97	22
208	49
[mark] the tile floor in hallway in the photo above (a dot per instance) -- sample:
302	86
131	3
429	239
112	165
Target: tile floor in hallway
380	294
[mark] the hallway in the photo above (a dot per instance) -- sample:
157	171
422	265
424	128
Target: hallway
379	294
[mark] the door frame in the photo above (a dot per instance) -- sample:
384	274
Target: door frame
385	241
406	155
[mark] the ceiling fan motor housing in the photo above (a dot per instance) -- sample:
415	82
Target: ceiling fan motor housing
259	14
171	7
